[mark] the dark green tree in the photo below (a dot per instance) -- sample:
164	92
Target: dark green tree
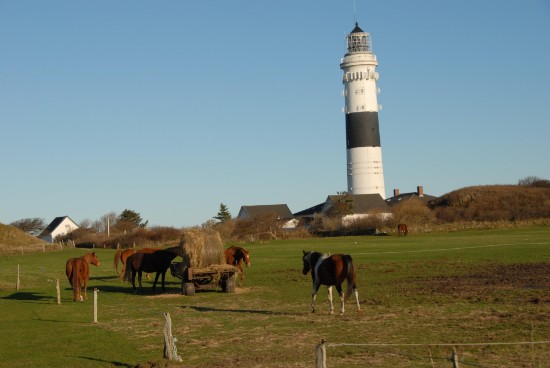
223	214
131	217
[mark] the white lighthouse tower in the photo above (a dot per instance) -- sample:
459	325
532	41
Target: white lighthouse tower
364	154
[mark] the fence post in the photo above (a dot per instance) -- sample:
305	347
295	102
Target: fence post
95	305
321	355
17	284
58	292
455	358
170	350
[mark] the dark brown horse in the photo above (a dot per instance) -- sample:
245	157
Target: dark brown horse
158	262
402	230
330	270
122	255
235	256
78	273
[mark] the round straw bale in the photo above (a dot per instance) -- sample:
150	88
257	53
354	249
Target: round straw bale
202	247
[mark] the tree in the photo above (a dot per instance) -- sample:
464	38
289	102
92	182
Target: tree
534	181
131	217
32	226
105	221
223	214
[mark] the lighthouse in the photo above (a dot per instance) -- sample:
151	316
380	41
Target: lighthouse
364	153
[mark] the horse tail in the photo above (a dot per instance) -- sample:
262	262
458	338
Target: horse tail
350	275
76	279
128	269
118	256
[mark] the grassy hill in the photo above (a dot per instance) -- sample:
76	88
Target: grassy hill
493	203
13	240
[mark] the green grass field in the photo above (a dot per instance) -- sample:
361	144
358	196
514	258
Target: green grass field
464	287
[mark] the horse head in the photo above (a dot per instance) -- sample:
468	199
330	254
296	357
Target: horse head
306	262
94	260
246	257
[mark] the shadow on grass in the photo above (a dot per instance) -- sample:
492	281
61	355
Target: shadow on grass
249	311
113	363
29	296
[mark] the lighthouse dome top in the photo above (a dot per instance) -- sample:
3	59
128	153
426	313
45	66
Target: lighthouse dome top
358	41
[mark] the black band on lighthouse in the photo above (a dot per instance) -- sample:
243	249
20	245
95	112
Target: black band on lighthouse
362	129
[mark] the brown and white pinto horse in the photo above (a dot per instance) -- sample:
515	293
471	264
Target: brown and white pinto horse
158	262
402	230
78	273
235	256
330	270
122	255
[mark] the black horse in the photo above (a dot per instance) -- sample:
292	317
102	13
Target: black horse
158	262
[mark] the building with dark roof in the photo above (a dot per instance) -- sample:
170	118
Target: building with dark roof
60	226
404	197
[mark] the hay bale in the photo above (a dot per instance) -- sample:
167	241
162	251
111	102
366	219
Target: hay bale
202	248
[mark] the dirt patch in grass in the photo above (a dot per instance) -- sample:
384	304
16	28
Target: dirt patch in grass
490	283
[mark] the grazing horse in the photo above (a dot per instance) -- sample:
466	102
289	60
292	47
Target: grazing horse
158	262
330	270
122	255
235	256
90	258
78	273
402	230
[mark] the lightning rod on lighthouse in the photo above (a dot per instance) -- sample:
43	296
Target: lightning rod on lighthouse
364	153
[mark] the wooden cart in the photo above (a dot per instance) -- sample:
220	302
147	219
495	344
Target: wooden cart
203	265
212	277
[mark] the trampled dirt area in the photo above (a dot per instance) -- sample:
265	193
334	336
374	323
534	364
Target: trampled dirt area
491	283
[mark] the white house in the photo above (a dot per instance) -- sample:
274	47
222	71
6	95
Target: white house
58	227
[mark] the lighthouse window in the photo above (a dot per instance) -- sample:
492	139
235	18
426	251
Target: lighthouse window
360	91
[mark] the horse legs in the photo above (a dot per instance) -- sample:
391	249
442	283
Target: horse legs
85	289
133	278
329	290
313	295
139	281
341	294
122	272
156	279
356	298
240	267
163	276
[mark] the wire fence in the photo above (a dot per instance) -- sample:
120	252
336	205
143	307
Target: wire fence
450	358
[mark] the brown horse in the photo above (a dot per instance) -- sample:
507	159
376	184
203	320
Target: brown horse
78	273
158	262
235	256
90	258
122	255
330	270
402	230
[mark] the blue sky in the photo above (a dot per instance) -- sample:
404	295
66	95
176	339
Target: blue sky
170	108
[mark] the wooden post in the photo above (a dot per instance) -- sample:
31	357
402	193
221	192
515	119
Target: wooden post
43	248
170	350
21	250
95	305
17	284
321	355
58	292
455	359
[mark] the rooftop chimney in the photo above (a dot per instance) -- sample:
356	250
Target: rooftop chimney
395	192
420	191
